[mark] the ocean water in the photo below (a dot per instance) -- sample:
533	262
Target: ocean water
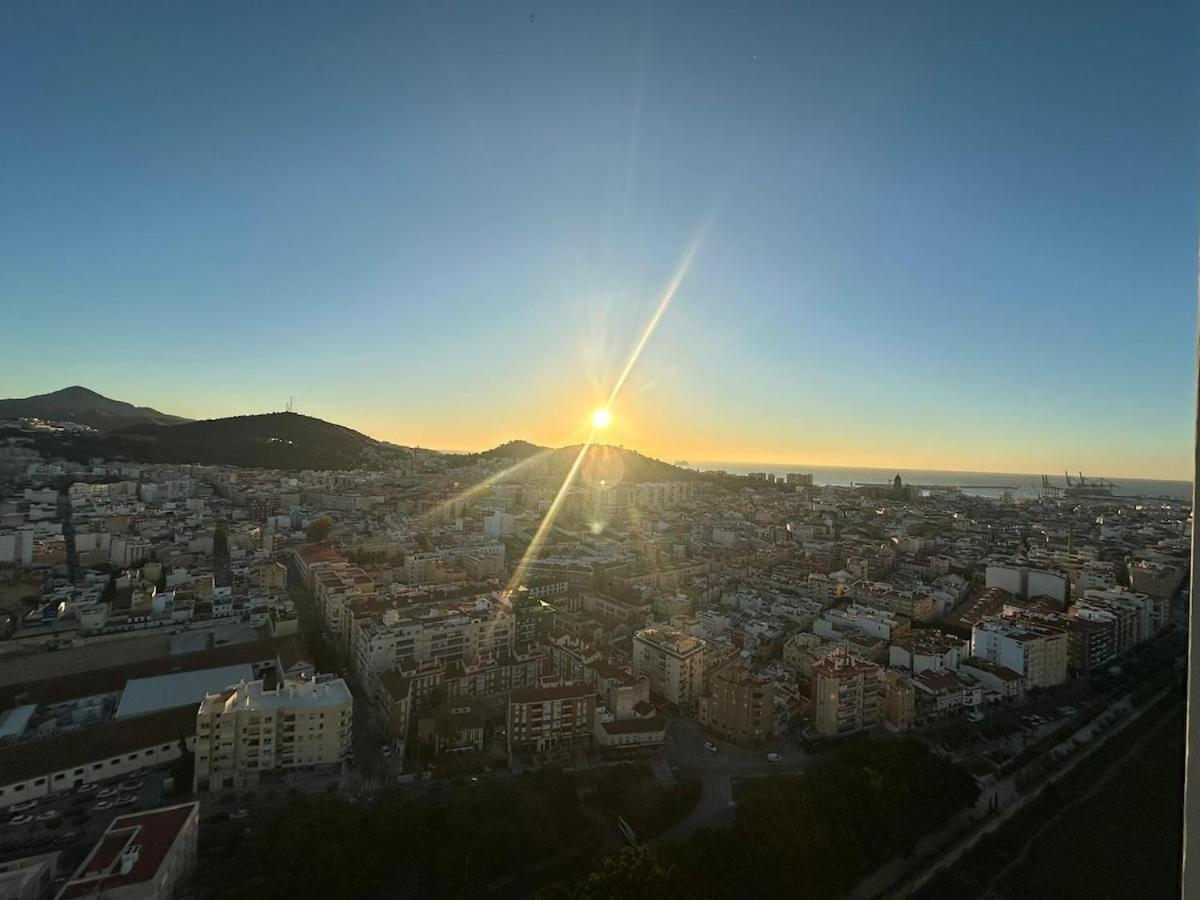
983	484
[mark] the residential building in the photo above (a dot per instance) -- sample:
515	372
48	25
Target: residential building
674	663
394	705
1036	651
141	856
739	705
845	694
897	701
248	729
546	718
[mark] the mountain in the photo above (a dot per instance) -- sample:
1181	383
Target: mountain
271	441
514	450
612	465
85	407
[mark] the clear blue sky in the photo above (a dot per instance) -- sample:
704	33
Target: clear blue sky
942	235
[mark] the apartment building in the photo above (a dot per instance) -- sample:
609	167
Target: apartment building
877	623
546	718
845	694
897	701
739	705
468	630
394	706
928	650
249	729
1034	650
674	663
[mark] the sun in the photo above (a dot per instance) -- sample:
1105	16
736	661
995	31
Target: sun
601	418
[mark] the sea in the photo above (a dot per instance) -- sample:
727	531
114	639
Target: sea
980	484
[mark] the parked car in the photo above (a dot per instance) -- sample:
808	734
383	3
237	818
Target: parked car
23	807
774	758
103	805
132	784
20	820
48	816
710	746
240	814
126	800
88	788
386	750
108	792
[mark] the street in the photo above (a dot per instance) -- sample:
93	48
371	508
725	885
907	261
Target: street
715	809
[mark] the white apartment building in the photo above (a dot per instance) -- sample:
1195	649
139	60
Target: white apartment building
674	663
17	546
1153	613
459	631
1024	581
1037	652
875	622
247	729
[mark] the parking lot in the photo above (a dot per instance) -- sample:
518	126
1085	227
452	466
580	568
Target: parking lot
72	821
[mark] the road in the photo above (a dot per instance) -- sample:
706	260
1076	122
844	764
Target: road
716	808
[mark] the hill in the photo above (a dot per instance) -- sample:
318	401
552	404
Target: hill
603	462
271	441
514	450
85	407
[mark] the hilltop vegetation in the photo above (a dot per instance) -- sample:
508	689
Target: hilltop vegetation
271	441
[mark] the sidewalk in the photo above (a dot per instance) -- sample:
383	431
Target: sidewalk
896	879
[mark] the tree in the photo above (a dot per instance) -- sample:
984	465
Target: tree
319	529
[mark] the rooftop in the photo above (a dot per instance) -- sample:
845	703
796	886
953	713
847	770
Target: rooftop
253	696
143	840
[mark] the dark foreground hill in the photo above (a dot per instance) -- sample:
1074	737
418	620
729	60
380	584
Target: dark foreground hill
85	407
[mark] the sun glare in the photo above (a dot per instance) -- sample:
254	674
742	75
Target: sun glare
601	417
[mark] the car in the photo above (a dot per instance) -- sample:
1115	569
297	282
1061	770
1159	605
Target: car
774	758
108	792
474	781
385	750
126	800
20	820
48	816
974	715
88	788
240	814
132	784
23	807
103	805
710	746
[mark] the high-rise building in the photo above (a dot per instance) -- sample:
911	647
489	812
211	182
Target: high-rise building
739	705
845	694
247	729
546	718
674	663
1037	651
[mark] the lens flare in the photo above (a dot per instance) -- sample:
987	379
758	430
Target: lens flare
601	418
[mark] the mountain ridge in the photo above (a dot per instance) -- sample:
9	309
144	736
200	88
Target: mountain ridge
84	406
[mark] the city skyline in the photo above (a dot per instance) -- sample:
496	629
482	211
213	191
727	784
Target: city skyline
939	239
